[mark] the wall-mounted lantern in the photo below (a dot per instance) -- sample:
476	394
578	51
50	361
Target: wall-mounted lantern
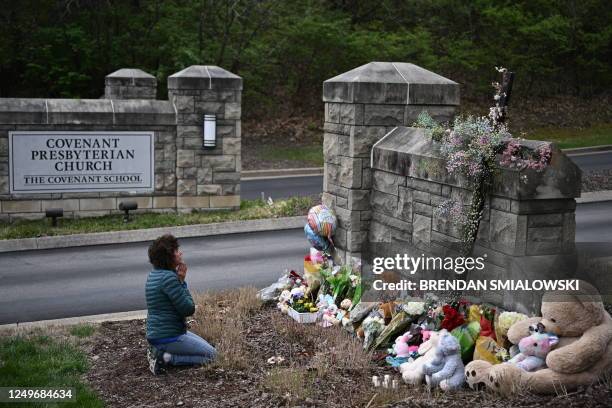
210	131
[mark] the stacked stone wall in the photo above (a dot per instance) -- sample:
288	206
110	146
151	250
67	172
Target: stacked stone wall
528	221
187	176
361	106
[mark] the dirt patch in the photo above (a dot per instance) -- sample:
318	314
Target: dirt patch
321	367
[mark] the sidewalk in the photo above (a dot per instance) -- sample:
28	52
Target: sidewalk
149	234
69	321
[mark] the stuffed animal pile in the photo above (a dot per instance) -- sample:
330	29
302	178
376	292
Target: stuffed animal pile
448	343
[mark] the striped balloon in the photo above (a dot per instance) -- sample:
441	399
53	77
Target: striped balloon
318	242
322	220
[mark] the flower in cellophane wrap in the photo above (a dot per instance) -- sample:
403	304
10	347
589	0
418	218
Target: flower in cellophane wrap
322	221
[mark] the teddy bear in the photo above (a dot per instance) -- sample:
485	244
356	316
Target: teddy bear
534	349
446	368
412	371
583	353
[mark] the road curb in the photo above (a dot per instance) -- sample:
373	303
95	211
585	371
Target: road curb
274	173
590	149
595	197
149	234
70	321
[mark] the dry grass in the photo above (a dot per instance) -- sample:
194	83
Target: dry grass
220	318
338	350
290	383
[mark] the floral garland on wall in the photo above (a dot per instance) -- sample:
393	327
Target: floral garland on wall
470	148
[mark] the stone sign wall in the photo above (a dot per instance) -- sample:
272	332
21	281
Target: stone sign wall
186	176
385	181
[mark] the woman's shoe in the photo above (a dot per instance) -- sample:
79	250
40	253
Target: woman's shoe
156	360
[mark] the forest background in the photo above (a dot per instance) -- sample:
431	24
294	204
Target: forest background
561	52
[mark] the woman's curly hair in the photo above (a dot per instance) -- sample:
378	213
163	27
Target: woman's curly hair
161	252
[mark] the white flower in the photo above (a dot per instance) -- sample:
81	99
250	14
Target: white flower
414	308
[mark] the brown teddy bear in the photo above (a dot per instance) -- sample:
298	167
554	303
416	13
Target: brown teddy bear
583	355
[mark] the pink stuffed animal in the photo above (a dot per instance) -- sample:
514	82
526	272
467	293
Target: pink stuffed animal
401	347
534	350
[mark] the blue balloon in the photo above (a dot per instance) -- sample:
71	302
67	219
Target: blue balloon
318	242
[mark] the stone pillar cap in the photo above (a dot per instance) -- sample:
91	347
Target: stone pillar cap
204	77
391	83
130	76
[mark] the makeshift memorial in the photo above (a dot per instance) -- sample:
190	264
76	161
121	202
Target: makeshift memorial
413	372
343	312
329	316
312	274
283	301
398	324
375	381
320	227
387	311
372	326
446	369
318	242
452	318
583	355
322	221
301	308
503	322
386	381
466	335
534	349
360	311
402	350
476	374
486	347
414	308
343	283
271	292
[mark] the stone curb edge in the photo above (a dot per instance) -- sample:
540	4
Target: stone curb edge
69	321
149	234
273	173
595	197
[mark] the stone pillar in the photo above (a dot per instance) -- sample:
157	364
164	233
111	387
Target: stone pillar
207	178
129	83
361	107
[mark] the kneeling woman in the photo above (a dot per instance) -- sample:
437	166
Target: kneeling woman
169	303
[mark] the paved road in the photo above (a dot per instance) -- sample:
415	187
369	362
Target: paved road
49	284
593	161
594	222
309	185
281	187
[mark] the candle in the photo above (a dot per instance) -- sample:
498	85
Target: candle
375	381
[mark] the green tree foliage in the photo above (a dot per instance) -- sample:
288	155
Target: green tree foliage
284	49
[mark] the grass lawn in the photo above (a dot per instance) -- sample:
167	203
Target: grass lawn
249	210
574	137
310	154
43	361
